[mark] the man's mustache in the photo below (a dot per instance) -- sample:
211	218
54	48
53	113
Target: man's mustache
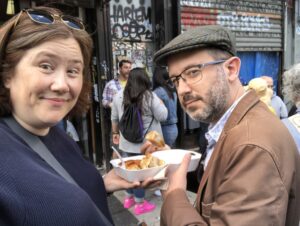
189	97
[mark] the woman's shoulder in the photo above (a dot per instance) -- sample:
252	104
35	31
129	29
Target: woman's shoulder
8	137
58	138
155	95
160	91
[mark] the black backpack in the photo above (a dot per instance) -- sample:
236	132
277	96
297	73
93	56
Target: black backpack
131	124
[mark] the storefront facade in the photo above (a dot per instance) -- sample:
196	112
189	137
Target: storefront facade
267	34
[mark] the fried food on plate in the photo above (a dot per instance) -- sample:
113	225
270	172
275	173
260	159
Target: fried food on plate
132	164
155	138
146	162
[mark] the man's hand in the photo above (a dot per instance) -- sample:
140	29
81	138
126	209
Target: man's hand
148	147
177	179
114	183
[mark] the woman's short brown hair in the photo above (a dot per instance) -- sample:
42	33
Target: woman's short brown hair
16	39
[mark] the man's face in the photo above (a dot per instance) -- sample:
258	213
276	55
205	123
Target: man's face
270	84
269	81
207	99
124	70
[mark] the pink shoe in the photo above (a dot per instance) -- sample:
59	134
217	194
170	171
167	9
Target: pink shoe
129	202
144	207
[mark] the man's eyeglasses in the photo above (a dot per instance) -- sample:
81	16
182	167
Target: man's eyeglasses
44	17
192	74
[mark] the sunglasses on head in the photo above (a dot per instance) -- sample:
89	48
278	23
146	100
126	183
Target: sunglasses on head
41	17
44	17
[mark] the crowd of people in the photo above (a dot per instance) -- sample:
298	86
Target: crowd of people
249	172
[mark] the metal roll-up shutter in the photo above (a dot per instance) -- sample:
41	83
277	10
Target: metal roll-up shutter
257	24
66	3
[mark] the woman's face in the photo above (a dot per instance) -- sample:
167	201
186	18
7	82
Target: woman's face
46	84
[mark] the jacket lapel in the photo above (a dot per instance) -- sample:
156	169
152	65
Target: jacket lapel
245	104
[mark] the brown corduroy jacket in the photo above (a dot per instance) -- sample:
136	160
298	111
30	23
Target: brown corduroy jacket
252	178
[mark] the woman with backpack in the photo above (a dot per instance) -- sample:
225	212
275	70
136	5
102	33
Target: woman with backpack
144	111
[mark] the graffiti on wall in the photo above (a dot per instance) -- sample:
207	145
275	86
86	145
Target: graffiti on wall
244	21
131	20
245	6
139	52
256	24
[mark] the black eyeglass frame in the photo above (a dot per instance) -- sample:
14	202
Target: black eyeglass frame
175	79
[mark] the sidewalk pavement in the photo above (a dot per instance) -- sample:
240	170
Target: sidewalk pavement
126	217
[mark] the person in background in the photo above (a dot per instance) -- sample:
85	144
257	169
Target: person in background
250	172
291	90
260	86
110	90
116	84
167	93
293	110
44	69
276	102
137	91
66	125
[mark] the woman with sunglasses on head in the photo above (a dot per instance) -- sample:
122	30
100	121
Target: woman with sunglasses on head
44	67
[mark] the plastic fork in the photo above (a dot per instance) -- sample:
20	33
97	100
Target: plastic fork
119	156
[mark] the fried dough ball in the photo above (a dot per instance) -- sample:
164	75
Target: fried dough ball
155	138
146	162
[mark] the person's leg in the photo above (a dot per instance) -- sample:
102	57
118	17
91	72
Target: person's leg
139	195
129	199
142	205
136	196
129	193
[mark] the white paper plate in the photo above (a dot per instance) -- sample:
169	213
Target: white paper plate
135	175
173	158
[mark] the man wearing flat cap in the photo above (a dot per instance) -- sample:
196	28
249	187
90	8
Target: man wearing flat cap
247	176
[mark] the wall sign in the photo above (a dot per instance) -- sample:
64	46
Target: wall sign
131	20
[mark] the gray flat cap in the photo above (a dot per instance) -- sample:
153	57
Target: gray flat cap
214	36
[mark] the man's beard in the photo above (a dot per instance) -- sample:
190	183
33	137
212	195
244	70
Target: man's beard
216	100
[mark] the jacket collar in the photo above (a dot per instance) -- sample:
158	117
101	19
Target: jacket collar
245	104
248	102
